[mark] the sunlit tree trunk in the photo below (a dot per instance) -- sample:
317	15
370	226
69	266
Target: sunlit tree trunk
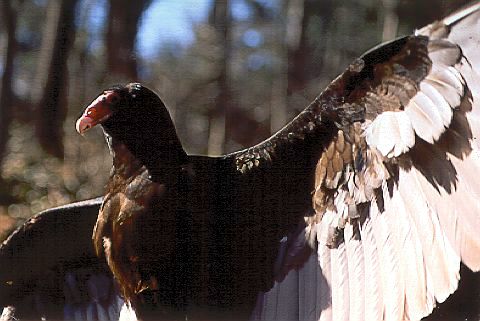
50	88
390	20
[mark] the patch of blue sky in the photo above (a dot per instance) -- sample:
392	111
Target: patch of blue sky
92	14
165	24
241	11
168	22
98	15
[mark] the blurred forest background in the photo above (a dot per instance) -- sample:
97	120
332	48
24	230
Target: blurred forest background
230	71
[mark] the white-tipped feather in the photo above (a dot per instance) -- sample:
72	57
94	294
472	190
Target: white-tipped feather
442	264
429	110
458	82
422	102
386	132
373	276
438	101
428	113
324	285
417	302
443	52
461	209
391	133
387	235
465	34
356	274
407	135
427	247
127	313
340	284
446	81
421	123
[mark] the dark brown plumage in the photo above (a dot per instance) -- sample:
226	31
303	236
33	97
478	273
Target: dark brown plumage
368	193
169	224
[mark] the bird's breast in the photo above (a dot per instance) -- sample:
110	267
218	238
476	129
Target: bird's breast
136	231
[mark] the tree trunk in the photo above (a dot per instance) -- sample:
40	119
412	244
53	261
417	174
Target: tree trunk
288	32
9	16
301	67
298	48
220	19
123	21
390	20
50	90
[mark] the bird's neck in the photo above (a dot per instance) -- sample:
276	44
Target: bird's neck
160	158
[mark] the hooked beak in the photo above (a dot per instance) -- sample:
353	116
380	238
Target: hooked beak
96	113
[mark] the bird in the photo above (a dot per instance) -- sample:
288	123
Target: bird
363	207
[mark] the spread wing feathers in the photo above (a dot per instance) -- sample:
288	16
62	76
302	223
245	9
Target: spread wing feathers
396	197
49	269
423	108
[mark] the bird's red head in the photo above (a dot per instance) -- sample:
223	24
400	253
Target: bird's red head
98	111
136	117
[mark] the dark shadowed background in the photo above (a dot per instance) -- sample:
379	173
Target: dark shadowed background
230	71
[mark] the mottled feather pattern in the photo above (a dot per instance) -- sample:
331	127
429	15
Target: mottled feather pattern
317	122
433	89
262	154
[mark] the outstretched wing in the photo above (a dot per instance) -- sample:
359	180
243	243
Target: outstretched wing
396	196
49	269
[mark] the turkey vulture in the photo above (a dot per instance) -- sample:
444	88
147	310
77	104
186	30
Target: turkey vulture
364	207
